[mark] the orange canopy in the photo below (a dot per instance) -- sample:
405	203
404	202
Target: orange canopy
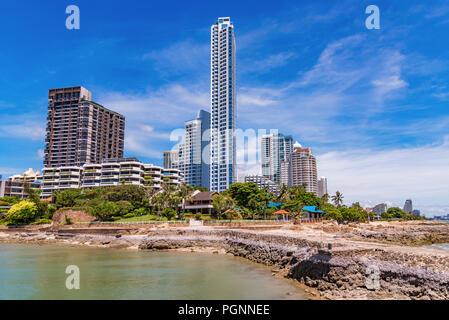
282	212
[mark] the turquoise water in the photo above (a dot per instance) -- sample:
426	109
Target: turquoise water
38	272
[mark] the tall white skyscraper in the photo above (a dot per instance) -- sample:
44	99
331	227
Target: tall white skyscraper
223	106
276	148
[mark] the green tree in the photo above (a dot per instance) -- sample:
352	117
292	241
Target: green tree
131	193
105	210
10	200
34	195
123	207
356	205
394	213
332	213
242	193
21	213
338	199
66	198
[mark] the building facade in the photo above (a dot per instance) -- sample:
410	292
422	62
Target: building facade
408	206
263	182
194	151
15	185
322	187
111	172
285	173
302	169
275	149
379	209
79	130
171	159
223	105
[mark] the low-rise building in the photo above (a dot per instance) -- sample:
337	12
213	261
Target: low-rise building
172	176
15	185
200	202
61	178
111	172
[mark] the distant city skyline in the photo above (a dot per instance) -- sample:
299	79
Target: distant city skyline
365	100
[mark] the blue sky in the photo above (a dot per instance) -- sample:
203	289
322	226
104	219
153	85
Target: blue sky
372	104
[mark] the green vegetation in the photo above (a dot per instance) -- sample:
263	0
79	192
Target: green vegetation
399	214
129	203
29	210
21	213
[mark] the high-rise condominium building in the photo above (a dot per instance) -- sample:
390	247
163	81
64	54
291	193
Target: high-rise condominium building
276	148
408	206
79	130
171	159
223	106
193	151
322	187
302	169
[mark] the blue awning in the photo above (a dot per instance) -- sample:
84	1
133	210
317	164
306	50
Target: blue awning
312	209
272	204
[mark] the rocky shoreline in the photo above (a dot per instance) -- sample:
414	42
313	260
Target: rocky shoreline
331	265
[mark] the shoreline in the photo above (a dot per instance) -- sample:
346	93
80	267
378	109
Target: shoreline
301	256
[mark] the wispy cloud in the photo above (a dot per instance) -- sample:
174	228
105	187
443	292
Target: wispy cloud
27	130
180	57
152	116
420	173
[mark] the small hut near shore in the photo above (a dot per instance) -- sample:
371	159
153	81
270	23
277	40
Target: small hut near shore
312	213
283	215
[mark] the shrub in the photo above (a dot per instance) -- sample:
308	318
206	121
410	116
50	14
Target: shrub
42	221
50	212
198	216
68	221
140	212
169	213
10	200
129	215
21	213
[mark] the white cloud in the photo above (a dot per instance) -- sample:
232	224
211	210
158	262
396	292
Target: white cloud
28	129
269	63
6	172
151	116
376	176
40	154
180	57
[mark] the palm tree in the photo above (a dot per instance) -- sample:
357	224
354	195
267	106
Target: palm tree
150	195
222	204
338	199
